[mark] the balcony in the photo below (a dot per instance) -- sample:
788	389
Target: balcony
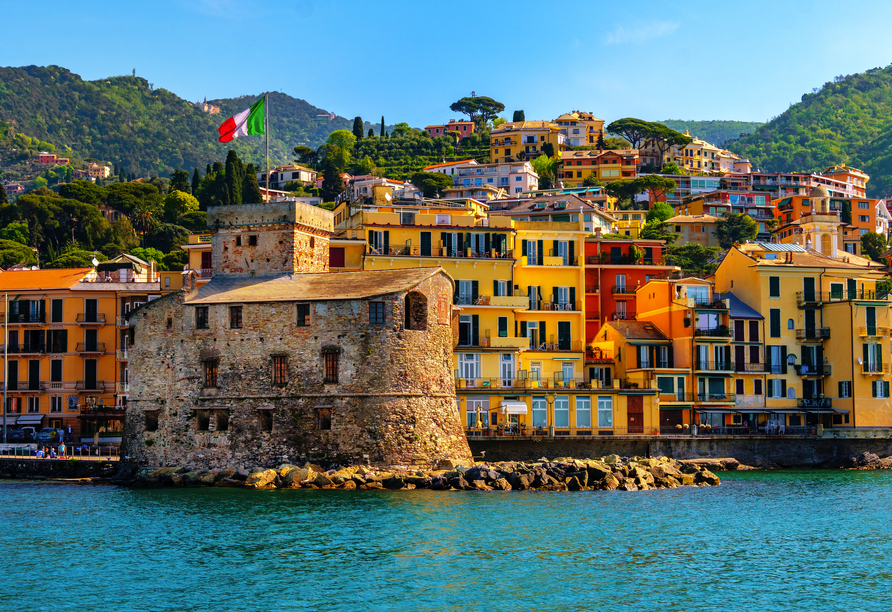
714	366
814	402
563	346
56	385
438	251
91	318
715	398
652	365
755	367
623	316
518	300
808	370
27	318
27	349
25	386
592	289
623	290
122	354
873	331
716	302
621	260
592	315
813	334
874	369
122	322
90	347
90	385
122	387
560	306
722	331
675	397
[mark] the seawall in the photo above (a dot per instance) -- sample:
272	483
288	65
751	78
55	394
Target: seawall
56	468
755	451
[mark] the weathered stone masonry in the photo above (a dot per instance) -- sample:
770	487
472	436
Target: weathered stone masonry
394	399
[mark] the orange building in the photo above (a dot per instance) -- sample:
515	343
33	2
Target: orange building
792	208
608	166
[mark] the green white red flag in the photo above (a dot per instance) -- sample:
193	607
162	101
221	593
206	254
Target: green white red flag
249	121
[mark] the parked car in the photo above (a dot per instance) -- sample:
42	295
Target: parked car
17	436
30	434
49	435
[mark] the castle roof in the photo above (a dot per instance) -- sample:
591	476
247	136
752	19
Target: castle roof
225	288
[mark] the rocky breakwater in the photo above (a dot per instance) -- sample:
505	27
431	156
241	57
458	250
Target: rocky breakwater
612	473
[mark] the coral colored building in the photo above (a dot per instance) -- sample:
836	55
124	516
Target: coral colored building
462	128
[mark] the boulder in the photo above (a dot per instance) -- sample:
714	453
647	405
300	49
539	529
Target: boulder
349	485
628	485
686	480
224	473
519	481
322	480
263	479
458	483
230	482
597	471
611	459
371	485
394	483
501	484
610	482
480	485
445	464
581	476
708	478
572	483
294	477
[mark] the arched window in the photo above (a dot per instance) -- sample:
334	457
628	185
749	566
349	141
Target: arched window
416	310
790	324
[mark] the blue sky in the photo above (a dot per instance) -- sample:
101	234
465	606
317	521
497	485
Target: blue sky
410	60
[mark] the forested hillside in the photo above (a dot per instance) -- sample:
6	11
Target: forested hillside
148	131
713	132
848	121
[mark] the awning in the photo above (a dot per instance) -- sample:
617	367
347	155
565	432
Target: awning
31	419
10	420
717	411
514	408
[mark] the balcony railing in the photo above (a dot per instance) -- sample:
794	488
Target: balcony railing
874	369
438	251
27	318
715	366
27	348
591	288
592	315
621	260
56	385
723	398
90	385
754	367
819	297
122	322
870	331
25	385
716	332
560	306
808	369
652	365
623	290
122	387
813	333
121	354
90	347
623	316
576	346
716	302
91	318
814	402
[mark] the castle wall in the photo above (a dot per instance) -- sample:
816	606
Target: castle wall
394	400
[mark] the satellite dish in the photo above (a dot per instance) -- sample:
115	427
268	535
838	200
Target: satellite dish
388	197
860	361
95	262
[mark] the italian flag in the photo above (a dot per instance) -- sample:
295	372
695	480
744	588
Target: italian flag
249	121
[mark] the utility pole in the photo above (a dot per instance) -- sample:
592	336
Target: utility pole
5	357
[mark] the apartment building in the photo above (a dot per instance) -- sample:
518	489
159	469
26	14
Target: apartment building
462	129
694	229
291	173
559	208
516	178
524	139
68	345
725	202
580	127
698	156
608	166
864	216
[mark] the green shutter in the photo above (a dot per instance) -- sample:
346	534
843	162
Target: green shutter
503	327
773	286
775	322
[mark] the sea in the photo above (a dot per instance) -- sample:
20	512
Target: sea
763	540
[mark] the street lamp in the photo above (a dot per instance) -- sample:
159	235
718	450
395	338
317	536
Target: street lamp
550	399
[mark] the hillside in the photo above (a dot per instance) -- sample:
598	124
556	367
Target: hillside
848	121
147	131
713	132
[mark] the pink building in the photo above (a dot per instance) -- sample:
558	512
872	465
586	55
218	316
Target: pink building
464	129
47	158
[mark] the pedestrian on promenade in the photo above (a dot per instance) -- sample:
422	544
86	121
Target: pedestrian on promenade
62	450
40	453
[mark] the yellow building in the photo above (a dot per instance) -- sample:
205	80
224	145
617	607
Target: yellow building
695	229
524	138
608	166
827	338
580	128
67	346
699	156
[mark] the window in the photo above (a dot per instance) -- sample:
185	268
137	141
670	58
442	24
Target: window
469	368
477	409
151	420
56	403
562	411
202	420
757	386
280	370
863	219
416	311
540	412
210	373
252	240
605	411
775	325
201	317
583	411
774	286
235	317
238	241
376	313
330	361
845	388
791	324
33	405
880	389
776	387
863	205
303	315
266	420
57	311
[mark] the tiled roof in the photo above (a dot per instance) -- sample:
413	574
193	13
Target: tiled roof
455	163
638	330
224	288
573	203
524	125
23	280
809	259
692	219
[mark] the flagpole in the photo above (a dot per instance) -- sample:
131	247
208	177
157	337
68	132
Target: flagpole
5	357
266	110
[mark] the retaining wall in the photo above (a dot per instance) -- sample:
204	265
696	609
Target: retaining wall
56	468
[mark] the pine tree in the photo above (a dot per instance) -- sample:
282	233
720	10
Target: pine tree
357	128
196	181
518	116
251	193
234	172
382	126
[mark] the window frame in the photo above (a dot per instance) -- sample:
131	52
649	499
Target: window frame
210	372
377	313
330	366
202	317
236	319
280	370
302	321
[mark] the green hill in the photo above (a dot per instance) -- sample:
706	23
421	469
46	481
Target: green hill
148	131
713	132
847	121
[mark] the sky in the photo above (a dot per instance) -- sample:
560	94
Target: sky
408	61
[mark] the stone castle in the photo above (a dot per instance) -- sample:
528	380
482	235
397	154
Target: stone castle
277	360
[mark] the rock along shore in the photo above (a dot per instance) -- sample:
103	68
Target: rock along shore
612	473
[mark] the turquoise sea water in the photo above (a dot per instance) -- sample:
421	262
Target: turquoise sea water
810	540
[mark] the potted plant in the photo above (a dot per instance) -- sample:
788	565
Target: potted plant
687	321
686	426
678	427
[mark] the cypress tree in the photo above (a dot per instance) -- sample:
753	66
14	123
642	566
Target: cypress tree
251	193
357	128
207	171
371	133
221	190
3	198
115	172
382	126
518	116
234	173
196	181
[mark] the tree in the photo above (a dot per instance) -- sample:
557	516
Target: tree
624	191
872	245
332	181
15	232
306	156
693	258
166	237
657	230
548	149
342	143
382	127
357	128
498	121
738	227
365	166
126	197
195	221
179	181
592	181
196	181
235	171
371	133
663	138
14	253
479	109
846	212
432	184
658	186
673	169
83	191
76	258
601	144
147	254
518	116
400	130
546	168
178	203
660	212
633	130
176	260
251	193
613	143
